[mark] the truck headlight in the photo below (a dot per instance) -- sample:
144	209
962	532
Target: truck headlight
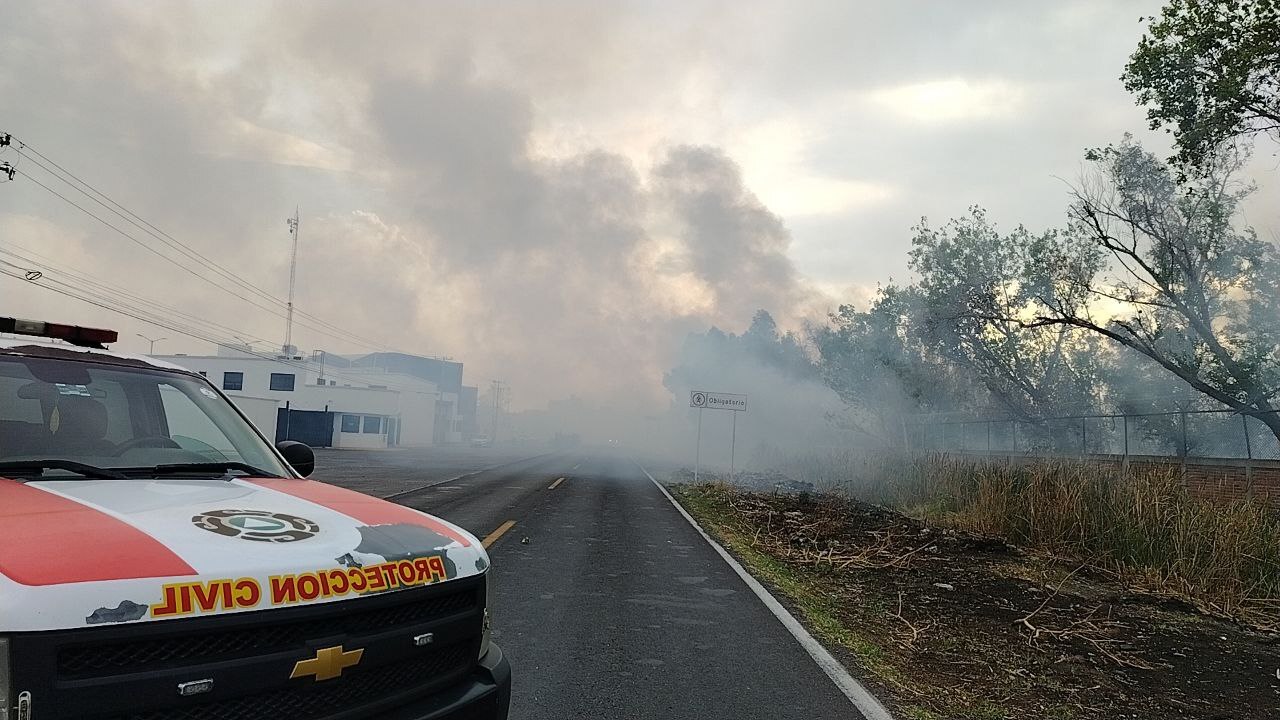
486	629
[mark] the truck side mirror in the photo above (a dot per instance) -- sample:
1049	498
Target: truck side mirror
299	455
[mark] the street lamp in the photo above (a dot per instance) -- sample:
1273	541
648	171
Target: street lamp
153	342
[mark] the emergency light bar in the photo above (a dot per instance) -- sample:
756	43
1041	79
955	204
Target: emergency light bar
74	334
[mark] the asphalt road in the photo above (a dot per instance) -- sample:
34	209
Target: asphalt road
387	472
607	602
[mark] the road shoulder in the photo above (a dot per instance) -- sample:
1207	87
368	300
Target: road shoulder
862	698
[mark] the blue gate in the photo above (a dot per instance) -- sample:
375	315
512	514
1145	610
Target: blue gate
313	427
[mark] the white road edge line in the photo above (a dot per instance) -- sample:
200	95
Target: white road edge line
862	699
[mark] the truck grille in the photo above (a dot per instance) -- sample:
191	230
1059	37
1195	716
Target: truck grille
133	655
328	698
413	643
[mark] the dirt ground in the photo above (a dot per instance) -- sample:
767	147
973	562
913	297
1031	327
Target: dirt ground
947	625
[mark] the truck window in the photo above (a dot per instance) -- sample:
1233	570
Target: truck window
17	409
119	417
119	420
190	427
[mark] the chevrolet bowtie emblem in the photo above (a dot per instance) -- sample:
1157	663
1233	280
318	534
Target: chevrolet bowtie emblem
327	664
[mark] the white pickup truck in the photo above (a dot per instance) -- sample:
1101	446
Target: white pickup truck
160	560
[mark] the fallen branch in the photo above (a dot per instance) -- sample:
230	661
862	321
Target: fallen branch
915	631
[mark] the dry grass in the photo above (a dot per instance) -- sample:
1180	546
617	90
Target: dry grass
955	624
1141	524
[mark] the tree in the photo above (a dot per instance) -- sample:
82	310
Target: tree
883	366
790	406
1184	287
715	353
976	284
1211	69
783	352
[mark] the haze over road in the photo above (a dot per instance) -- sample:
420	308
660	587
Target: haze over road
615	607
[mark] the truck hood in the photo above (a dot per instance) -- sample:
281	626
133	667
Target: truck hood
84	552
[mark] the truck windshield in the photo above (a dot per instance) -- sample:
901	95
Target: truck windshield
57	415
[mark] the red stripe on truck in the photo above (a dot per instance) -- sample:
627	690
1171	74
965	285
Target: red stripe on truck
46	539
358	506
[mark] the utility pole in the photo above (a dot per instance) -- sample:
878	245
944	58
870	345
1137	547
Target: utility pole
293	272
496	389
5	168
153	342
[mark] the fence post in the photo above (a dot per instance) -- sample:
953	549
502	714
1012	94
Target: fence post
1084	437
1248	457
1126	442
988	438
1183	418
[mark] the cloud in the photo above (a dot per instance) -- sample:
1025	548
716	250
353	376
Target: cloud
941	102
774	159
730	239
431	223
558	193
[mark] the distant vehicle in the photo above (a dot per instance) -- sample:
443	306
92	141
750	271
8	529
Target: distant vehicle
481	441
160	559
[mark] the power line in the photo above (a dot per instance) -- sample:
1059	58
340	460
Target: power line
338	335
106	302
88	190
133	239
41	261
85	188
132	218
111	298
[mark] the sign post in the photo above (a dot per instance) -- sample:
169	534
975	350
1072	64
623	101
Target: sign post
697	459
704	400
733	443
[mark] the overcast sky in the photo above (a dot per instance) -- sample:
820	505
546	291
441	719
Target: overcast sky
554	193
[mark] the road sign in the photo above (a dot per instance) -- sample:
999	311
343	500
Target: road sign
704	400
718	401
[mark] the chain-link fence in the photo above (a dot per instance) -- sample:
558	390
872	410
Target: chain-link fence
1192	434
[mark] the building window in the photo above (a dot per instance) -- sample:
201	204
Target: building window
372	424
350	423
282	381
232	381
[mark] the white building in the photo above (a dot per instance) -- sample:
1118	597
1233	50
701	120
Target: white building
299	398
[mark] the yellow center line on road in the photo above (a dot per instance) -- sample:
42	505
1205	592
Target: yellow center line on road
492	537
556	484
